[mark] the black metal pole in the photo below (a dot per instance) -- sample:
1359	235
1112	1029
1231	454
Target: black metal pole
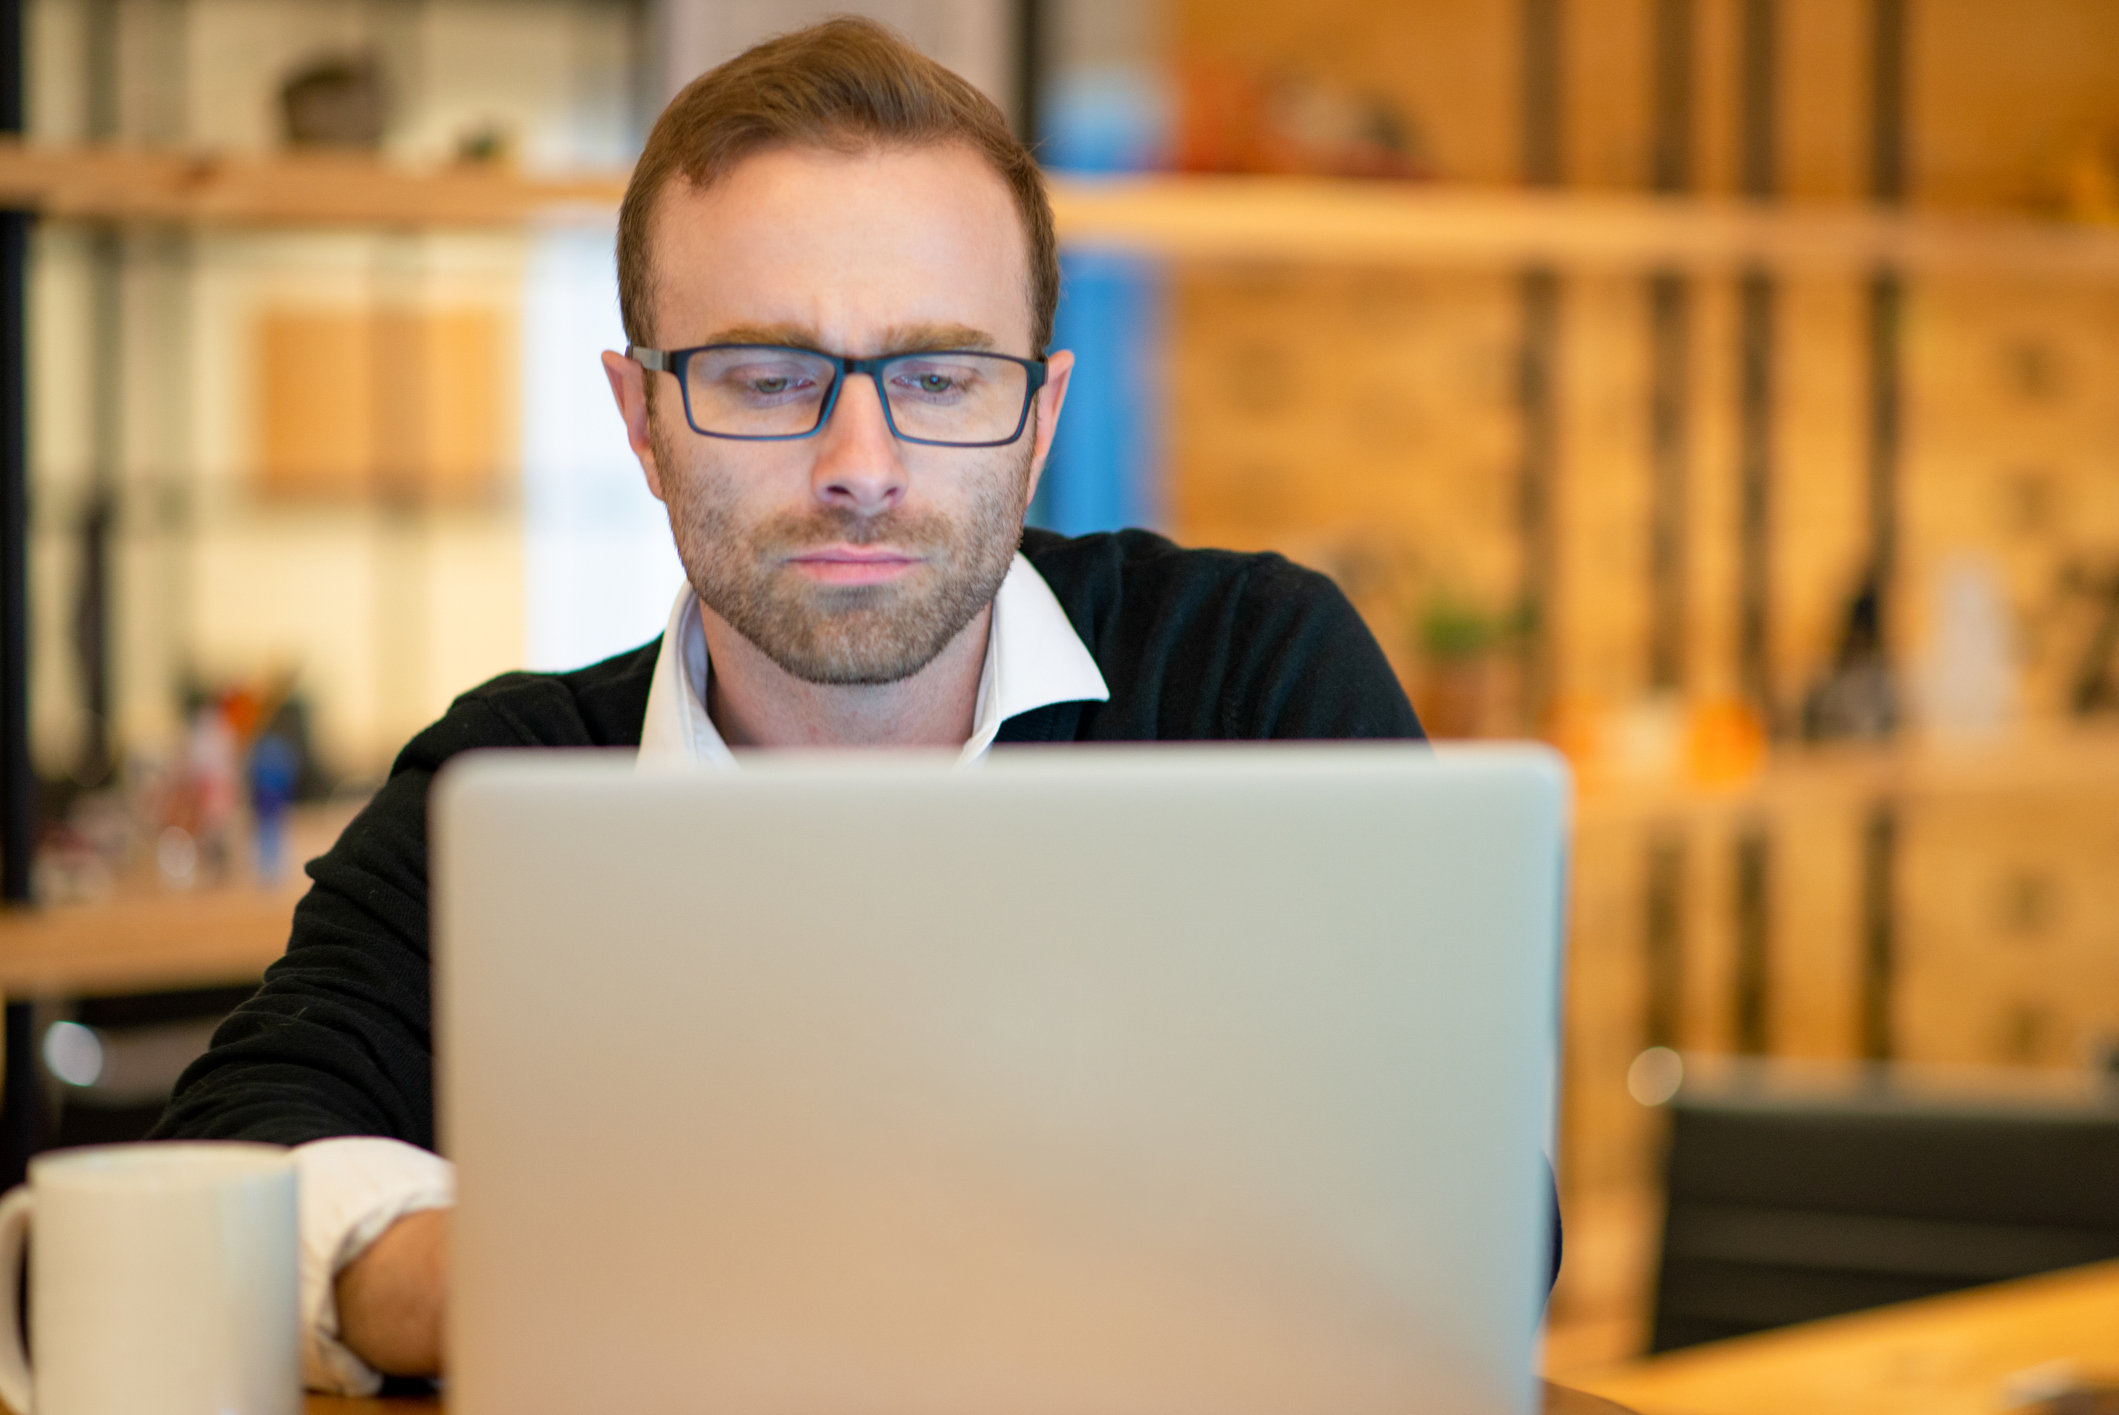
1663	934
1752	1022
1887	290
22	1099
1030	21
1670	360
1538	367
1670	477
1879	934
17	783
1757	333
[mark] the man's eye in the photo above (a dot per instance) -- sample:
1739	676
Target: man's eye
772	385
935	382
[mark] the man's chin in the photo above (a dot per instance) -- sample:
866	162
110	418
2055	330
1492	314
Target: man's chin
863	664
850	636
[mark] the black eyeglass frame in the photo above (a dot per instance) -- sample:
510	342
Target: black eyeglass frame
672	362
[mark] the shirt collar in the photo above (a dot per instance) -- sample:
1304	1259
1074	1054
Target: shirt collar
1033	659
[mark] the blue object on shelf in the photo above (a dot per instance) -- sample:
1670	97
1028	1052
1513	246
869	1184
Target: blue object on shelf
1105	119
1105	469
274	770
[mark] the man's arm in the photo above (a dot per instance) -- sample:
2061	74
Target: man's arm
338	1041
390	1299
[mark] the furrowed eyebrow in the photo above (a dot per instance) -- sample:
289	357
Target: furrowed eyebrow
926	338
792	335
902	339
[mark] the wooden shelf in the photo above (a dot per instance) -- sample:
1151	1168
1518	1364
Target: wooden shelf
2050	760
145	944
148	938
1951	1355
1287	218
308	189
1176	217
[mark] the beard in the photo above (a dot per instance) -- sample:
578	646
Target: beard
844	634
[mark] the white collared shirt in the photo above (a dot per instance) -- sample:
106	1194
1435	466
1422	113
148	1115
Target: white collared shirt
354	1187
1033	659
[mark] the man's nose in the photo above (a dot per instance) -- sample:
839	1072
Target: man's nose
858	465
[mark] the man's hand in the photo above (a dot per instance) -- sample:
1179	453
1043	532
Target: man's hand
390	1297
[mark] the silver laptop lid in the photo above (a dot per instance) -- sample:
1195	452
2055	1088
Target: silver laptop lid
1132	1080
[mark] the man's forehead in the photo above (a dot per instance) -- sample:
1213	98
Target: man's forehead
844	244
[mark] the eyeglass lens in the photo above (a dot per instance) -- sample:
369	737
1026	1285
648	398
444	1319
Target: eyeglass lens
760	392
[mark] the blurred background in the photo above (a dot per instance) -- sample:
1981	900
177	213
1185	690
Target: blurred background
1724	390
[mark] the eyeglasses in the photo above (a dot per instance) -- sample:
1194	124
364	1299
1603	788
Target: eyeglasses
773	393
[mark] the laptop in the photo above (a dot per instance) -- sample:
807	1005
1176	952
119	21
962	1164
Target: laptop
1143	1081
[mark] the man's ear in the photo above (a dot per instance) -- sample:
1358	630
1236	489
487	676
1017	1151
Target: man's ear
1059	367
629	389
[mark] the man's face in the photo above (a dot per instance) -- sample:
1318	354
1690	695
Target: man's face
847	557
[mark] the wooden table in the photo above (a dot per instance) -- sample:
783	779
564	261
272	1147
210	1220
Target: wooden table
1558	1401
1951	1355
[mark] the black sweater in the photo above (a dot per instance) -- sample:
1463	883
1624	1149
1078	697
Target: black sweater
1194	645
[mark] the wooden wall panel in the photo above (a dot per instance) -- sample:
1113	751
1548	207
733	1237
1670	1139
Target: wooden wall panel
1606	97
1601	1126
1712	509
1824	99
1816	929
317	415
2015	459
1600	614
1361	421
2011	911
1709	939
1716	60
362	403
467	417
1819	517
2002	94
1998	96
1608	1144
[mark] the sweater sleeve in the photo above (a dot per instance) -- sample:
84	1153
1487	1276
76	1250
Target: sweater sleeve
338	1041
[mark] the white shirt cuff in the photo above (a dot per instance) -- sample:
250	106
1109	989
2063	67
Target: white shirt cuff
351	1189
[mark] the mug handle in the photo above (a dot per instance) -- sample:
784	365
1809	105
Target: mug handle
14	1361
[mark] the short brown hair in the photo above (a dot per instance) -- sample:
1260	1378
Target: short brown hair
846	85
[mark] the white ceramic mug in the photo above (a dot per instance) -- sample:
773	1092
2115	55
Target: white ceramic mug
162	1281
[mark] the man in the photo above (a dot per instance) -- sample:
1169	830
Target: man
838	272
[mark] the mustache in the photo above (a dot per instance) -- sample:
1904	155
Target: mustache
836	526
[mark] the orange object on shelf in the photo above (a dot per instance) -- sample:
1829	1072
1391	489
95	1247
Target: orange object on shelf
1725	743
